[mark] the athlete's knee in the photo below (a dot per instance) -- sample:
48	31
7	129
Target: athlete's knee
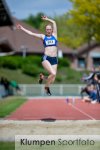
53	74
53	80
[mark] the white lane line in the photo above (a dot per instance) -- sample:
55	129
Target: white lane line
82	112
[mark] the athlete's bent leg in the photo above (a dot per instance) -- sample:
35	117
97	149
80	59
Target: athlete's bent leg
55	69
52	71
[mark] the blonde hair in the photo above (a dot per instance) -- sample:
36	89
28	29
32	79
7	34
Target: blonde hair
49	25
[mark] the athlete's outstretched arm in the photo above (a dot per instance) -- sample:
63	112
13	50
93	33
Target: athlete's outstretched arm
18	26
54	24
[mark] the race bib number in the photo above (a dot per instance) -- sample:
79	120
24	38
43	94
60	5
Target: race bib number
50	42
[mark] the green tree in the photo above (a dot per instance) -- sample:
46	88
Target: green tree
86	15
34	21
68	32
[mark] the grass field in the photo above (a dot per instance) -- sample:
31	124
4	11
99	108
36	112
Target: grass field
16	75
11	146
64	75
9	105
7	146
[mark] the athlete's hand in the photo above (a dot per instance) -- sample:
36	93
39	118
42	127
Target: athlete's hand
44	17
18	26
47	19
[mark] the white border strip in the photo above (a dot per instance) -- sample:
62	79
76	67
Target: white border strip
53	97
56	137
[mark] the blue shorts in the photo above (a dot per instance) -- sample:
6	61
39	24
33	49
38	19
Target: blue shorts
52	60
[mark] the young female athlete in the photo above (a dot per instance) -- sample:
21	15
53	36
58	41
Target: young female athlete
49	59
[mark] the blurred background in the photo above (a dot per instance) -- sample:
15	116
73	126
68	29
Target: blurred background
78	25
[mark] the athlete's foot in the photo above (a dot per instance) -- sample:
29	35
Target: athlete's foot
41	78
47	89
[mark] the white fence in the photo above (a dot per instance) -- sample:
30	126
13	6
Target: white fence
56	90
38	90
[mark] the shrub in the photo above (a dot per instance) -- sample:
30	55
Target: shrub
63	62
34	60
10	63
15	62
59	79
30	69
1	62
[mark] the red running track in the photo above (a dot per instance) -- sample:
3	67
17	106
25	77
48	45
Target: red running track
56	109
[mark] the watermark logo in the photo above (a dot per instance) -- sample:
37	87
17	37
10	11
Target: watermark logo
23	142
